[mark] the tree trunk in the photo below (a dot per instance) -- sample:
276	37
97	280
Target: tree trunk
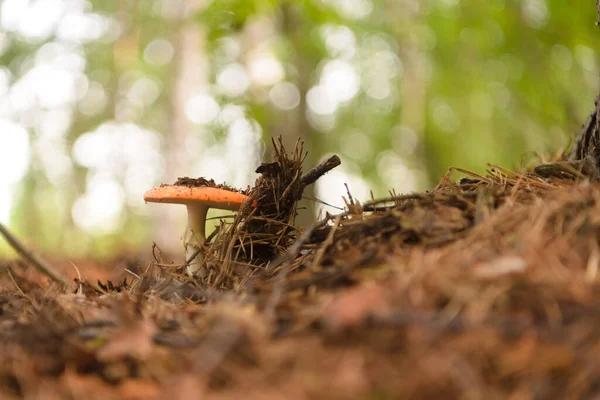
292	28
587	142
188	74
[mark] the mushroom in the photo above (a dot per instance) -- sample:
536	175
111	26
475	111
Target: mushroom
197	200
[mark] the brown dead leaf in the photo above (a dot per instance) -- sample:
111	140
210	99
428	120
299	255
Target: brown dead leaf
536	356
135	341
351	378
186	387
353	306
86	386
137	389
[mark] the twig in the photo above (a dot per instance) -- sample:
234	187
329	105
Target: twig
293	251
162	256
328	241
80	288
372	205
192	257
15	283
316	200
133	273
350	198
287	260
320	170
40	264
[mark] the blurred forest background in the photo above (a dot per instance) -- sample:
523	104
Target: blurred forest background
100	100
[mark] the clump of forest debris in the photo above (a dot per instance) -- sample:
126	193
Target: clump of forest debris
263	229
203	182
485	287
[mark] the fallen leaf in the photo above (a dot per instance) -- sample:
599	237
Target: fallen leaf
135	341
137	389
186	387
352	307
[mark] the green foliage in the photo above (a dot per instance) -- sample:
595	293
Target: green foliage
440	83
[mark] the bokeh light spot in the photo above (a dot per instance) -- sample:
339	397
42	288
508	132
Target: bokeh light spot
285	96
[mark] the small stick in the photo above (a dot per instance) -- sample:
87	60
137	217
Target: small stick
350	198
40	264
80	288
286	262
316	200
320	170
328	241
14	282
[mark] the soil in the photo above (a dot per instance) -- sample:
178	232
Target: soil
483	287
203	182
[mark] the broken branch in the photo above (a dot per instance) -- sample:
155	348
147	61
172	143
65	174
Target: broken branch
320	170
40	264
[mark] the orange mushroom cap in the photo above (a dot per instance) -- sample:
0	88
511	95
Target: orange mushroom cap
213	197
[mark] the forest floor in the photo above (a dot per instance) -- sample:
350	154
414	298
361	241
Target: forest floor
487	287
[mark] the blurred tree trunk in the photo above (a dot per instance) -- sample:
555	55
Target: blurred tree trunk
69	233
413	84
293	29
188	74
587	143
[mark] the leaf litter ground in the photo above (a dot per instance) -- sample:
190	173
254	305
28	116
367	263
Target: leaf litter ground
486	287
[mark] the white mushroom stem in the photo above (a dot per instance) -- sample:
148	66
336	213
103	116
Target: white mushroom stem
194	238
197	199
